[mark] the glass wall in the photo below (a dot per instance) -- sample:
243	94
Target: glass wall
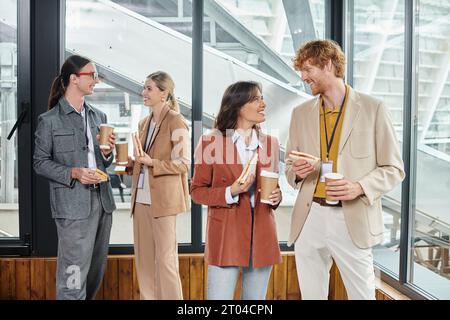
256	40
430	265
128	40
378	67
9	210
378	36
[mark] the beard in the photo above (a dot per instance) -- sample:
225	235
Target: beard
315	89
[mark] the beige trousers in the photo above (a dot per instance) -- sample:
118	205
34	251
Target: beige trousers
156	254
325	237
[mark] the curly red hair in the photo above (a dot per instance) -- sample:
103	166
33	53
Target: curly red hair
318	53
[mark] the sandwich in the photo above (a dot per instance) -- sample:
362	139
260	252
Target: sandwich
137	144
250	168
297	155
101	175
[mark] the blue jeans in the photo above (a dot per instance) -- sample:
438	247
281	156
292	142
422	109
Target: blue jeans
222	282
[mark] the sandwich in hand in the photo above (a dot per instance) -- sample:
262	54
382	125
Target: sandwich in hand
137	144
250	168
297	155
101	175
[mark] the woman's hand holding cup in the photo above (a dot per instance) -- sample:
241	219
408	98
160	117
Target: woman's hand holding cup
275	196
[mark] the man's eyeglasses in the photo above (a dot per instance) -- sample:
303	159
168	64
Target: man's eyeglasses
93	74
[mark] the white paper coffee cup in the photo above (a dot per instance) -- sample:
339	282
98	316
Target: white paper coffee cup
122	153
105	132
269	182
333	176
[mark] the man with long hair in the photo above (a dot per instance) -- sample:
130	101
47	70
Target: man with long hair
67	153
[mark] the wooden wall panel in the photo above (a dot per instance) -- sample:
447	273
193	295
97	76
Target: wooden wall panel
23	281
184	265
196	278
126	279
34	278
205	280
292	290
100	292
111	280
50	279
280	280
37	279
380	296
7	279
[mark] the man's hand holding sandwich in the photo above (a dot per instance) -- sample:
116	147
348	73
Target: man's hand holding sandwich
303	164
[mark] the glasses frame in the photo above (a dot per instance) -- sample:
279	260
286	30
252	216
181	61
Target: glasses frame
93	74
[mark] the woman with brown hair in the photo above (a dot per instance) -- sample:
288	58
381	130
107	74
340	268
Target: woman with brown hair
159	190
240	231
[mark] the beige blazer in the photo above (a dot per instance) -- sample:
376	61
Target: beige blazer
170	150
368	153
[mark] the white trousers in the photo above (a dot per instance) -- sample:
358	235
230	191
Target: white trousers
325	237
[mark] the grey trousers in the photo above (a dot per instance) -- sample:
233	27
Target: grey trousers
82	253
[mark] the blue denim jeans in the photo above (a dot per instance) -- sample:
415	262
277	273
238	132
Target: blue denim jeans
222	280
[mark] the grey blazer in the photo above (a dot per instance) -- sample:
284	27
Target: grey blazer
60	145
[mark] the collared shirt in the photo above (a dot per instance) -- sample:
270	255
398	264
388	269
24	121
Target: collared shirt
143	194
330	117
92	164
245	154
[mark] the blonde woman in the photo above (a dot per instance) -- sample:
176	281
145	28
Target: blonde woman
159	190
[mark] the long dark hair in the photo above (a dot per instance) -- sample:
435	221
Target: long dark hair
234	98
72	65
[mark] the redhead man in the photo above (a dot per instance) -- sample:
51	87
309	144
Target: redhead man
352	134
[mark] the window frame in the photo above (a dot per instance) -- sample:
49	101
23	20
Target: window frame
22	245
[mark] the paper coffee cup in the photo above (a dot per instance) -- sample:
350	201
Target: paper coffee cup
122	153
105	132
332	177
269	182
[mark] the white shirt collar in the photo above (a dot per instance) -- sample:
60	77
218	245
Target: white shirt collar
254	143
82	111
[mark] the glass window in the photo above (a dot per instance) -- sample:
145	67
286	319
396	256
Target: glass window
256	40
430	268
9	209
128	40
378	62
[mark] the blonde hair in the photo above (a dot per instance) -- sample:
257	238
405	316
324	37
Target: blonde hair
318	53
164	82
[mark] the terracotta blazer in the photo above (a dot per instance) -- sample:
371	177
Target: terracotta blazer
170	151
228	228
368	153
